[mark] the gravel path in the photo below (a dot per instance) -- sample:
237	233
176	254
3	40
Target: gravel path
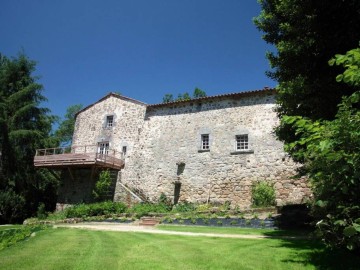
149	229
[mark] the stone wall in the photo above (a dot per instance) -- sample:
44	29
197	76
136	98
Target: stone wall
128	115
163	148
168	158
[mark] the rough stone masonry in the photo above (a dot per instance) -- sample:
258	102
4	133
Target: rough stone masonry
208	149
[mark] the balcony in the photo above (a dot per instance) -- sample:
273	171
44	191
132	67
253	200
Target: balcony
78	156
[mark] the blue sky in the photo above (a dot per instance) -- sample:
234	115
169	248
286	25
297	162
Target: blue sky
141	48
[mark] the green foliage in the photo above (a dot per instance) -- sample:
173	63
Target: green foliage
65	130
24	127
41	212
95	209
203	207
12	236
331	151
263	194
306	35
102	185
11	206
198	93
163	200
184	207
143	209
168	98
350	61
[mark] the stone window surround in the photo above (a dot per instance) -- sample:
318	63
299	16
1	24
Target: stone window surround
201	132
105	121
236	151
128	148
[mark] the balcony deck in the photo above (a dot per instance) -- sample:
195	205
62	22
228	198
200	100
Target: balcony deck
78	156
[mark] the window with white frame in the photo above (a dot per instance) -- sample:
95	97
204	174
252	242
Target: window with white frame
103	148
242	142
205	142
109	121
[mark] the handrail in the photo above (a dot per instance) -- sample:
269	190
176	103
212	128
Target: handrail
81	149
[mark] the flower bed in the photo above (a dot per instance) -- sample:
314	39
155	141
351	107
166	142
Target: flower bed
268	223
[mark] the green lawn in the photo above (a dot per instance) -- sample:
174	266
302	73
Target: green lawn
5	227
228	230
64	248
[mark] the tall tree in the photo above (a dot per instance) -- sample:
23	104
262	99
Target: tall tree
65	130
306	35
24	126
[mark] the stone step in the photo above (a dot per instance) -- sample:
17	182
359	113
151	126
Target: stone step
149	221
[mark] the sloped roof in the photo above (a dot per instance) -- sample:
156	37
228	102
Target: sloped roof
263	91
266	90
111	94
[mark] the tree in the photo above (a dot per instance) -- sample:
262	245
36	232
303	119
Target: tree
184	96
168	98
306	35
198	93
24	126
65	130
332	161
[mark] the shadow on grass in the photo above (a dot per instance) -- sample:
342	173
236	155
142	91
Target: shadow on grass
313	252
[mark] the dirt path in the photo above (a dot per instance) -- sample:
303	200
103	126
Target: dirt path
148	229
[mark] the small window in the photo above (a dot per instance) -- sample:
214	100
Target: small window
109	121
103	148
205	145
242	142
124	149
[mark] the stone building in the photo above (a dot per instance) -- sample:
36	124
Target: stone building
210	149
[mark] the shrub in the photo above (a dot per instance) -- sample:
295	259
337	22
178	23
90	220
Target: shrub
203	207
95	209
263	194
143	209
102	185
184	207
12	207
165	200
41	213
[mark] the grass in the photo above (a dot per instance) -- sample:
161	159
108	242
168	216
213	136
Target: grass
228	230
6	227
84	249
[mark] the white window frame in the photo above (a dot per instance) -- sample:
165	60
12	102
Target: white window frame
242	142
103	148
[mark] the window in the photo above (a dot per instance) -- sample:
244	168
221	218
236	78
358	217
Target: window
103	148
242	142
205	142
124	149
109	121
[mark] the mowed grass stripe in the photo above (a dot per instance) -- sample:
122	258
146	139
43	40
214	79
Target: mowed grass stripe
85	249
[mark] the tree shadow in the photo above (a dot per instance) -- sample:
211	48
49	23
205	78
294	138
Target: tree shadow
311	251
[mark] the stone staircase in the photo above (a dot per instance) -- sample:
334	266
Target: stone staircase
149	221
